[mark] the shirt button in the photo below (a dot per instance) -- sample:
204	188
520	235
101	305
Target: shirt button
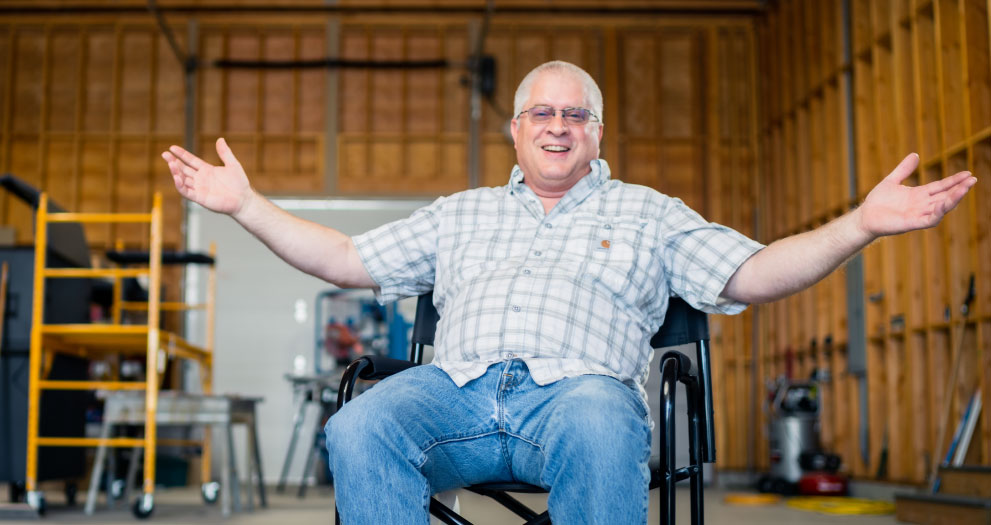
537	253
548	225
516	308
608	226
527	272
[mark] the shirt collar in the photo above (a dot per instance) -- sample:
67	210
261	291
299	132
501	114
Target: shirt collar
600	173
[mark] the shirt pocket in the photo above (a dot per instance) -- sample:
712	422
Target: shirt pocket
481	247
612	249
605	238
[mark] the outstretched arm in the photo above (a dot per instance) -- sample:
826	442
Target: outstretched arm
313	248
794	263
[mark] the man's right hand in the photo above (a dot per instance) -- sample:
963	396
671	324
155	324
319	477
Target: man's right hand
313	248
223	189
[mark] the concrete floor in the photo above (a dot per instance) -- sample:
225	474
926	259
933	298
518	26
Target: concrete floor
184	506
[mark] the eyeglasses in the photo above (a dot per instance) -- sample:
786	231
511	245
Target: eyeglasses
570	115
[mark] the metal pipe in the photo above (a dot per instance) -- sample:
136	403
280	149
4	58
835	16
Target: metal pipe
474	117
856	330
169	36
332	63
705	378
669	388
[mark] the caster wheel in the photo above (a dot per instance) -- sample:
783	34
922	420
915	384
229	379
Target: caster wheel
779	486
210	492
70	494
143	506
791	489
117	487
764	485
36	500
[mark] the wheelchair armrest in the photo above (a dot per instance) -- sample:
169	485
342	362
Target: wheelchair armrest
369	367
382	367
686	368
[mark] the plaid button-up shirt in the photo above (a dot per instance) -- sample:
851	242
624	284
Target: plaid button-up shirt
579	290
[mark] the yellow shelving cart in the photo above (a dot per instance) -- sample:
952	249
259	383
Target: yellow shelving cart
99	341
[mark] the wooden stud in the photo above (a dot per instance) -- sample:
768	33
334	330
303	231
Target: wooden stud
712	170
114	130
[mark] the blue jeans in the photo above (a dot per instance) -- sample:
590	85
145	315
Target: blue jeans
586	439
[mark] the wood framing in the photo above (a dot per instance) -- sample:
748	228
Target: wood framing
739	108
921	83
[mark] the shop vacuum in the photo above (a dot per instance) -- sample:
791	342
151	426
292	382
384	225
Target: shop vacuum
798	464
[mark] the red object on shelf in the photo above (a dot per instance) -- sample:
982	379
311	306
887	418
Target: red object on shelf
341	342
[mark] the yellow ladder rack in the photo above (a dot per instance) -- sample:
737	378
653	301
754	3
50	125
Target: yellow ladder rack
98	340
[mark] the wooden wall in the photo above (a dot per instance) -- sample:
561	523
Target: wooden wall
921	82
88	100
744	116
90	103
85	108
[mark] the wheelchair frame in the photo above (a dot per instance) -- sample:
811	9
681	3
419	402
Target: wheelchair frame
682	325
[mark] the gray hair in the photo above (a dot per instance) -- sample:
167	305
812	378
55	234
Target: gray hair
592	94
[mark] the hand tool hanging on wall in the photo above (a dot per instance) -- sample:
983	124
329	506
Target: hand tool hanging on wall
951	385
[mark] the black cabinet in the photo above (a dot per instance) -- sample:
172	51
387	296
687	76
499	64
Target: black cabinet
63	413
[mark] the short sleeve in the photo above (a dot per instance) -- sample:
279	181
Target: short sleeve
401	256
700	257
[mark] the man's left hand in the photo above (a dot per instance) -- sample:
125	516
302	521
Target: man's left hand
892	208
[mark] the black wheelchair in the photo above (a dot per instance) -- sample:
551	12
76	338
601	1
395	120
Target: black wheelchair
682	325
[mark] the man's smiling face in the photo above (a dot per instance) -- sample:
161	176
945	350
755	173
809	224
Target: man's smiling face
555	155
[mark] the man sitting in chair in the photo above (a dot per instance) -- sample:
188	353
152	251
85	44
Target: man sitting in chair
549	289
